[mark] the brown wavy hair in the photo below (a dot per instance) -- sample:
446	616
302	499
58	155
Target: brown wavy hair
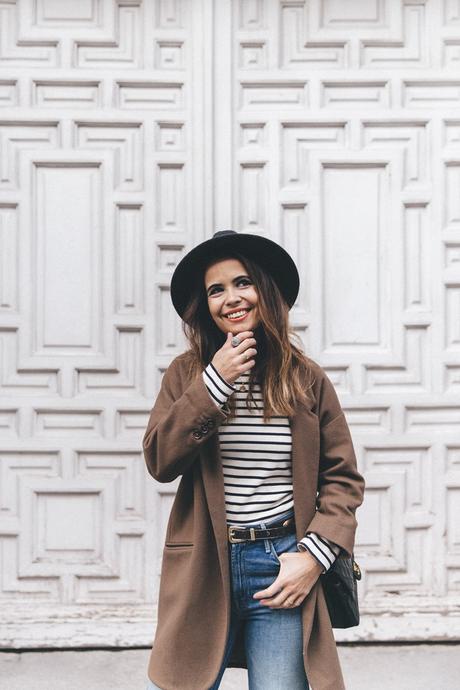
281	368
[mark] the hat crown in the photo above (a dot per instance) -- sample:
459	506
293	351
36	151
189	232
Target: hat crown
223	233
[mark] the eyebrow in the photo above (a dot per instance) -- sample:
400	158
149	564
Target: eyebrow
235	280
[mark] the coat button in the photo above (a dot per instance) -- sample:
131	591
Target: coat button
210	424
196	433
204	428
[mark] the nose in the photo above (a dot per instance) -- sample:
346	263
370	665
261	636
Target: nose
233	297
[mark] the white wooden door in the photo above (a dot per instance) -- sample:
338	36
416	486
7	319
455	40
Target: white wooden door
130	130
103	159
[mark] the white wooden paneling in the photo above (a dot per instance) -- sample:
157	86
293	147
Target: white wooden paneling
101	192
129	131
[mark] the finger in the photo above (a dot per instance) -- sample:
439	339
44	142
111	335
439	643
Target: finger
281	601
243	336
262	594
299	599
247	354
268	592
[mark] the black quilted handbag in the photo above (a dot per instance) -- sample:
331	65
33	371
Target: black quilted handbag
341	592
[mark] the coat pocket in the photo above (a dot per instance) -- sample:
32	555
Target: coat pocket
178	545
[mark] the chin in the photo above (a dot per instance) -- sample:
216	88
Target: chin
248	325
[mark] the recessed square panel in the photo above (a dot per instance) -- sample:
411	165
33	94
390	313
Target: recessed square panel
68	527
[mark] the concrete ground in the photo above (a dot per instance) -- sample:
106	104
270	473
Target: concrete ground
365	667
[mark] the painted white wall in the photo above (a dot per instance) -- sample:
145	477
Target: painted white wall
130	131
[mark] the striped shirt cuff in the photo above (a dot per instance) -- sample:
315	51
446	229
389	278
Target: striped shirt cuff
322	549
218	388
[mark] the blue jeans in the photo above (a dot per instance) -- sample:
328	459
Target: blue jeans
273	637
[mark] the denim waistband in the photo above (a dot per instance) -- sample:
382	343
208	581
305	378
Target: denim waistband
269	521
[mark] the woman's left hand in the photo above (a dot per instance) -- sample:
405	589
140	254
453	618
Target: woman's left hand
298	573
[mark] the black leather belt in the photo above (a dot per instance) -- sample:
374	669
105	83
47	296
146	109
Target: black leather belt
240	534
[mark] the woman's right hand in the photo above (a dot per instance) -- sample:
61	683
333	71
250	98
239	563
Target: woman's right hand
231	361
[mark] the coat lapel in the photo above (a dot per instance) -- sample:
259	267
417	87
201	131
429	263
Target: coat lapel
305	464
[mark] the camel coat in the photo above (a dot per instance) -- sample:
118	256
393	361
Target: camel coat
194	598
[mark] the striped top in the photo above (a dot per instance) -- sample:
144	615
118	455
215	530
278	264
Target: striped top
257	462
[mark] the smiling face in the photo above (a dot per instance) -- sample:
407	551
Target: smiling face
229	289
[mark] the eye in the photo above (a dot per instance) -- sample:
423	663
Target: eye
244	281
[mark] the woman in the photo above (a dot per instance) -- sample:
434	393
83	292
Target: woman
269	484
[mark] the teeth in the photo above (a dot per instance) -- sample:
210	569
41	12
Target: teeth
237	314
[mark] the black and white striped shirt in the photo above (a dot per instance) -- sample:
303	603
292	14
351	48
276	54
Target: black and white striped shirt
257	463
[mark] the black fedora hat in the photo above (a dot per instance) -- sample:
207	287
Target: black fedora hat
268	254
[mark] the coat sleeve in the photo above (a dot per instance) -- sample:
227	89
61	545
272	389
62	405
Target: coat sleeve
179	423
340	485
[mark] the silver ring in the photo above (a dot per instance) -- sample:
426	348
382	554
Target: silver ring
235	341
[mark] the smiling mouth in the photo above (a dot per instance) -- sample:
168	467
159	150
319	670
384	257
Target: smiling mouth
240	316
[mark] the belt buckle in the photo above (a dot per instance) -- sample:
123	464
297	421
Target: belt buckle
235	540
231	538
